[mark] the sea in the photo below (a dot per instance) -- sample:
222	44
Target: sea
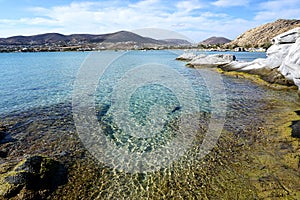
30	80
136	124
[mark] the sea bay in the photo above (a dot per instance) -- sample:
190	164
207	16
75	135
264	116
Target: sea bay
36	107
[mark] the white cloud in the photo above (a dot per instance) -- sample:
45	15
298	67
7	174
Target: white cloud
188	17
230	3
189	5
272	10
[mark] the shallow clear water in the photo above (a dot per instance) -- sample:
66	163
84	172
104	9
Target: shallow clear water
37	105
143	100
29	80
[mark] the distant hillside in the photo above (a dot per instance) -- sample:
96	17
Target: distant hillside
50	38
178	41
262	35
215	40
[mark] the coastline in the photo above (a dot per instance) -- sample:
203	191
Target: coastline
256	78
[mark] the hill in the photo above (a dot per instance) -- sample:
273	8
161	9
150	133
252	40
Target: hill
261	36
75	39
178	42
215	40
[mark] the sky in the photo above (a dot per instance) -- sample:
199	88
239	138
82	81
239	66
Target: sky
195	19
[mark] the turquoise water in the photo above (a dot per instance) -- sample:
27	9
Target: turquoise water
48	101
30	80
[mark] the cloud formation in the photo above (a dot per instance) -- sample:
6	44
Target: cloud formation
230	3
197	19
287	9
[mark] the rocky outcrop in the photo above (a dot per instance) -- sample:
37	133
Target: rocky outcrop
215	60
33	178
186	56
282	65
262	35
283	57
204	60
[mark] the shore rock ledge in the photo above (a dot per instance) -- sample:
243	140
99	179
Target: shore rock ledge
33	178
283	57
282	65
203	60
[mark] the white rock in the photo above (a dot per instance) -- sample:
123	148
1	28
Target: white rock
212	60
290	67
187	56
246	66
200	56
276	54
284	54
287	37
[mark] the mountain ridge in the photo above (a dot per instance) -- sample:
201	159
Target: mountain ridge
116	37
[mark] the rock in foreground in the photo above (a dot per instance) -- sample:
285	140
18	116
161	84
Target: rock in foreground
33	178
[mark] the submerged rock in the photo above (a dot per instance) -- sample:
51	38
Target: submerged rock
2	132
37	176
296	129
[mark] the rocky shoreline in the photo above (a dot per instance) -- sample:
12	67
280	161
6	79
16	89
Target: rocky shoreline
281	67
256	157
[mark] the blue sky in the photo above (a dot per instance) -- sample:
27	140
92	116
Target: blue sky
196	19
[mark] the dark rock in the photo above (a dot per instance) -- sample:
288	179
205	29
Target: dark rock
3	154
295	129
2	132
18	179
37	173
176	109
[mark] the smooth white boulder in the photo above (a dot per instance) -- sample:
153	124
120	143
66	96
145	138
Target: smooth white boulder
212	60
187	56
287	37
276	54
290	66
246	66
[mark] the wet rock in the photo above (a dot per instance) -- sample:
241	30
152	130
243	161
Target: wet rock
295	129
3	154
33	176
2	132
